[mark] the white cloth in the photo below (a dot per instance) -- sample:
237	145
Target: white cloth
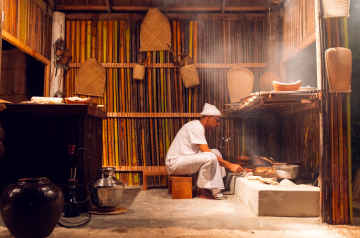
210	172
210	110
185	143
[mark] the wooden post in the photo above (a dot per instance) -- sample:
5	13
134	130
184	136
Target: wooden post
58	30
1	3
325	162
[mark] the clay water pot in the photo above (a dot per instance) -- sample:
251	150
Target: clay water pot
31	207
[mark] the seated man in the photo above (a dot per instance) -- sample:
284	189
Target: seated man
189	153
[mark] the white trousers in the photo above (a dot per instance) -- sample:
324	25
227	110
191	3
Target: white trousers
210	172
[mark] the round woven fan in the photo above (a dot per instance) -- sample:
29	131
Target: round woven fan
240	83
266	81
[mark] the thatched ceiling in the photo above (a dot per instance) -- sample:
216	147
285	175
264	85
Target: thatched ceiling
213	6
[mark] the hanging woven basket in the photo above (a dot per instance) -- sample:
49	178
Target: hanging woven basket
338	62
155	32
266	81
90	79
336	8
139	71
240	83
189	76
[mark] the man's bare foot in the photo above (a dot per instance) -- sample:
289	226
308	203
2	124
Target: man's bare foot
203	193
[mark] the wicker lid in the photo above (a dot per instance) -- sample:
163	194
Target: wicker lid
155	32
240	83
266	81
90	79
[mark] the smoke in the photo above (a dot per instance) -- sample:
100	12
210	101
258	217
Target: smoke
303	67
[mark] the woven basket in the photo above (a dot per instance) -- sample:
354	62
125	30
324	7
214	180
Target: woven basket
240	83
336	8
139	71
90	79
189	76
155	32
266	81
338	62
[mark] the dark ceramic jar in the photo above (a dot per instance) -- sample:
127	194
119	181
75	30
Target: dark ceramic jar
31	207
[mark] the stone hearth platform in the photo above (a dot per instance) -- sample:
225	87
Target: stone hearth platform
275	200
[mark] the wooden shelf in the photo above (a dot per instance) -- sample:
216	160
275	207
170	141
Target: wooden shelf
170	65
138	168
152	115
283	102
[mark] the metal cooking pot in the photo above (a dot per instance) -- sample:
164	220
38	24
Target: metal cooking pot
285	171
107	191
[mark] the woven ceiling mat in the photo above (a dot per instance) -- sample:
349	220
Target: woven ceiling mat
240	83
90	79
338	63
266	81
155	32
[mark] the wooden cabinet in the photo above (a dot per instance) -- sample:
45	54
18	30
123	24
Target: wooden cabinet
37	139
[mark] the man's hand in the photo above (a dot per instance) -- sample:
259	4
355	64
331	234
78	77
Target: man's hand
236	168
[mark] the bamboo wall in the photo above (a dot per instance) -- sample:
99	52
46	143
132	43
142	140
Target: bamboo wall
336	181
214	45
25	20
301	138
298	27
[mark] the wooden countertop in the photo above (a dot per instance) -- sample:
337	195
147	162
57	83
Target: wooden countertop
55	109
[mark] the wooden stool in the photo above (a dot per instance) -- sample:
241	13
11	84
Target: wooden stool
180	187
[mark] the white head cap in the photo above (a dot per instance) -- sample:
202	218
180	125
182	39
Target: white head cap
210	110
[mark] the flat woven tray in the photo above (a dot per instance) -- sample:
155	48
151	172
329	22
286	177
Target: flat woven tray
97	211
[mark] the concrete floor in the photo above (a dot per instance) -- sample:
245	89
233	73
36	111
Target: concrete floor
155	209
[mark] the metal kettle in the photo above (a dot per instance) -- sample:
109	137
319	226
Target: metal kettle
107	191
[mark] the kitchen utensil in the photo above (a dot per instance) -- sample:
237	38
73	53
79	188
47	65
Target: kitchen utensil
259	161
287	171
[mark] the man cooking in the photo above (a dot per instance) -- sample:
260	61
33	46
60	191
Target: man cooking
189	153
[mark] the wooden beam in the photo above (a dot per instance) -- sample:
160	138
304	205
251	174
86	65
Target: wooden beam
170	65
104	16
51	4
108	6
139	168
44	7
223	5
248	8
171	16
162	8
14	41
151	115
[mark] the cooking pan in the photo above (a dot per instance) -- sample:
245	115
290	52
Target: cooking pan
287	171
